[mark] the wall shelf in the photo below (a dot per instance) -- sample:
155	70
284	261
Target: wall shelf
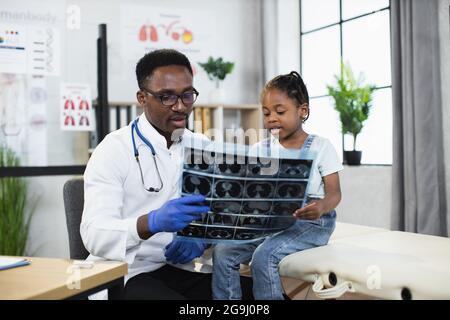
226	116
219	116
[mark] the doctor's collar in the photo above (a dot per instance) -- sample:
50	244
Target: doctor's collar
177	135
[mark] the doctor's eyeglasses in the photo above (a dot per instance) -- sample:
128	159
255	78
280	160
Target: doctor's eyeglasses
169	100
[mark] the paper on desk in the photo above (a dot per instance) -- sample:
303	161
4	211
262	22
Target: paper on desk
8	263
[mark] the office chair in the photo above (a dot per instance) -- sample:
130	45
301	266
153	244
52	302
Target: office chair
73	194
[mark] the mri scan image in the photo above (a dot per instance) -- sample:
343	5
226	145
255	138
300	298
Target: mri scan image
248	234
252	222
220	233
196	184
257	207
295	168
290	190
262	167
226	207
197	160
218	206
192	230
228	188
222	219
260	189
237	168
285	208
249	198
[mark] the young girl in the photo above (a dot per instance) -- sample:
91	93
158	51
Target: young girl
285	104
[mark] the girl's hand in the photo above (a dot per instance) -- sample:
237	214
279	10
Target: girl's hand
316	209
312	211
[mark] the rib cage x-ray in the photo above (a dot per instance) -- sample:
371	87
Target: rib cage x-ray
250	196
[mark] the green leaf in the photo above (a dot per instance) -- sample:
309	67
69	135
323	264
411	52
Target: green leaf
352	100
217	69
14	216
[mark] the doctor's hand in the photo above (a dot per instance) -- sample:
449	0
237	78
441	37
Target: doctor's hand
179	251
176	214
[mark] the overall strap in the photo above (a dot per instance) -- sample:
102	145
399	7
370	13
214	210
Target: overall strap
305	149
267	144
307	144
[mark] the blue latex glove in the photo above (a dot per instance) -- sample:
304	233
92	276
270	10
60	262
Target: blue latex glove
176	214
182	251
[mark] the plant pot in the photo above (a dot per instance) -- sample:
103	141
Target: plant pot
217	95
352	158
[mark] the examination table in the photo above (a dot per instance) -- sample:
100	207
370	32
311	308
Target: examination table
374	262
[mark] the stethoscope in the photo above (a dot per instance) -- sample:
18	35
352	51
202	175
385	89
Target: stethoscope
134	126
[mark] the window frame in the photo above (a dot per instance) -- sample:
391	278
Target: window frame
340	23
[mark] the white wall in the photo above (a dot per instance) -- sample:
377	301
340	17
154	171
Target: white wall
237	39
288	36
366	196
281	40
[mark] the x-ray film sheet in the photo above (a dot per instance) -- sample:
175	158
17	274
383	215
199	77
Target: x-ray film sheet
250	197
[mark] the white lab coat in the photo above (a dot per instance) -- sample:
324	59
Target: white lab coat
114	198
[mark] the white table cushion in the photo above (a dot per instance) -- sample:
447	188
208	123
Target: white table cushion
378	263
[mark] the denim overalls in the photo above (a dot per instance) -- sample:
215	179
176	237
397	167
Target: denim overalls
266	254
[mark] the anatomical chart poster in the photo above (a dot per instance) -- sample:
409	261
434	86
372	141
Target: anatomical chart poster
76	107
29	49
23	117
147	28
249	197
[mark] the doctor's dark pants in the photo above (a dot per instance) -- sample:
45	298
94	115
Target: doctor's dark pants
171	283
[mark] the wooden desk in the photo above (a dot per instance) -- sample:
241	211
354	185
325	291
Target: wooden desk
49	278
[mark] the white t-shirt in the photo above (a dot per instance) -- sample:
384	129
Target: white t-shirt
326	162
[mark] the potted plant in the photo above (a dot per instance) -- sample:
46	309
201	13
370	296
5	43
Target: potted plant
14	220
353	101
217	70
